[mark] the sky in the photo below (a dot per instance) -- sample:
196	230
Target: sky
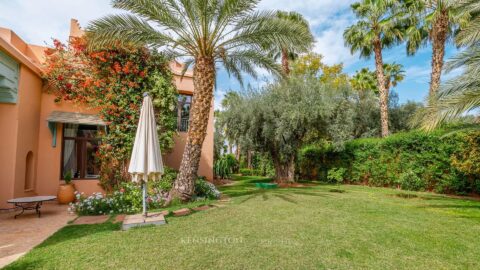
37	22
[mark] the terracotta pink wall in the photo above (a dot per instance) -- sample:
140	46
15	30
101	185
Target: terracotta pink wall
49	162
8	143
29	93
174	158
19	125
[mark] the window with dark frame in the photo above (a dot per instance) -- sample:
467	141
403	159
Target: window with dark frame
183	112
79	147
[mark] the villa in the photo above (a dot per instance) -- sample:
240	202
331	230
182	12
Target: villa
41	138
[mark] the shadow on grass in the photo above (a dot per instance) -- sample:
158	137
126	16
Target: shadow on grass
67	233
453	206
78	231
289	199
285	194
24	264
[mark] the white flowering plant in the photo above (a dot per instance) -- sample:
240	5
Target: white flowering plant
203	188
126	200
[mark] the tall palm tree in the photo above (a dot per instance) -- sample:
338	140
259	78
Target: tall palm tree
375	30
435	22
287	52
461	94
205	32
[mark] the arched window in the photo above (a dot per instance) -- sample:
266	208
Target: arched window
29	185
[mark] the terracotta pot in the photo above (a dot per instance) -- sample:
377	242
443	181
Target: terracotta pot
66	193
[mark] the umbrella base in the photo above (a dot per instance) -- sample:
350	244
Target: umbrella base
140	220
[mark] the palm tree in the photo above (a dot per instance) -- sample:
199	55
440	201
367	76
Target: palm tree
205	32
434	21
461	94
289	53
364	81
394	74
375	30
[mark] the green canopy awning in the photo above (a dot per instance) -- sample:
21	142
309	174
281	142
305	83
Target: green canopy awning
71	118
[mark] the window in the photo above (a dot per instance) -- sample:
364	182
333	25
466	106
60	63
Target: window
80	145
183	112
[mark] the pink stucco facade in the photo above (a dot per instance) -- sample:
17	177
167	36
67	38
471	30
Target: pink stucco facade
29	164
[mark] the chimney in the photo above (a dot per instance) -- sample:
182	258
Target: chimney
75	29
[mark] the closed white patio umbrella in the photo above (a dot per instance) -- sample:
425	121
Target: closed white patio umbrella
146	160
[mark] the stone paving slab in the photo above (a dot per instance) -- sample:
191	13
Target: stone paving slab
181	212
18	236
119	218
165	212
139	220
91	220
201	208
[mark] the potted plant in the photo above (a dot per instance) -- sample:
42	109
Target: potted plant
66	192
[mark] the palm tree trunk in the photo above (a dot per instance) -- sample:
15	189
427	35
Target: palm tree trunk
203	82
377	47
439	33
285	63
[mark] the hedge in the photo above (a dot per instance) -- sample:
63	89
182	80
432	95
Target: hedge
439	161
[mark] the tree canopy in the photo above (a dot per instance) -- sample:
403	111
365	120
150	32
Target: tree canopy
279	117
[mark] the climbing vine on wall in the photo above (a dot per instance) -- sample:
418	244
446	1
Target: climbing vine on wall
113	82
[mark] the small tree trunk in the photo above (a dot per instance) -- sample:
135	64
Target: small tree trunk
238	152
438	35
249	159
285	63
203	82
284	170
377	46
230	148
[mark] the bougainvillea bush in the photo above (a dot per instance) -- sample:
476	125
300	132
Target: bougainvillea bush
113	82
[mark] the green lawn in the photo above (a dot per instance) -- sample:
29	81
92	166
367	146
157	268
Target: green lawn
306	228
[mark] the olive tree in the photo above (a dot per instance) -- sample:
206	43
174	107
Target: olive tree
278	118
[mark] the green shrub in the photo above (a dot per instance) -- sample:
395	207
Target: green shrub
246	172
166	181
254	172
225	166
336	175
263	165
438	161
410	181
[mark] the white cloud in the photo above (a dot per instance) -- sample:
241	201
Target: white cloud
38	21
418	74
328	20
330	44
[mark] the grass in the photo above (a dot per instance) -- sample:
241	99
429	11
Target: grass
307	228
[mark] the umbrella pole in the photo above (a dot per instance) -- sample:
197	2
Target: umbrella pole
144	199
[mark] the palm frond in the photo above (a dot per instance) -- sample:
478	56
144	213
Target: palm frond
125	29
246	60
225	30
